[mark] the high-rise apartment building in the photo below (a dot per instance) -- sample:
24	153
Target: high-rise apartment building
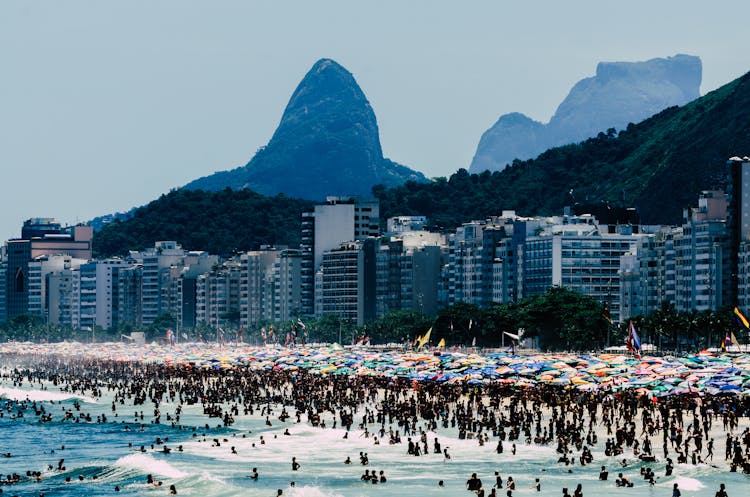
63	297
472	252
339	220
256	285
129	294
701	256
738	221
576	253
184	286
39	236
408	272
39	271
286	286
218	296
162	265
348	281
3	285
99	293
648	273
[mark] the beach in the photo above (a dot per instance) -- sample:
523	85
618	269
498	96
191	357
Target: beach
457	398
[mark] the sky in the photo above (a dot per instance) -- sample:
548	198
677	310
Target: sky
105	105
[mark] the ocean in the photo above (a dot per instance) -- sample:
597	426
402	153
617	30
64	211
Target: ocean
100	456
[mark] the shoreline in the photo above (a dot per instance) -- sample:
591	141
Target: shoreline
249	384
657	376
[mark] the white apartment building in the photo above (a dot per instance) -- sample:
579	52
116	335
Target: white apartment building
99	298
579	256
39	270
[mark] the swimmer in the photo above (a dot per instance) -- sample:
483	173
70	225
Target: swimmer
473	484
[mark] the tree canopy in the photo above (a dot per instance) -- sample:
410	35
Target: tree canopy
222	222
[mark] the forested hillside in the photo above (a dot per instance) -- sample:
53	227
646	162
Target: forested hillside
221	222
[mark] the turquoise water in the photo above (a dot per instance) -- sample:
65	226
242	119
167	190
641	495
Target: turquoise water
104	451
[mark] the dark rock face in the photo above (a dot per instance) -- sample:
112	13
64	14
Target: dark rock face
327	143
620	93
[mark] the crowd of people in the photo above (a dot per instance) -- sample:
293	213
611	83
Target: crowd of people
638	430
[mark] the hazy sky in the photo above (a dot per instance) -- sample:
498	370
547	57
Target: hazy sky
105	105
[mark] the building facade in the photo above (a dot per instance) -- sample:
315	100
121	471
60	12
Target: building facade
340	219
348	281
39	237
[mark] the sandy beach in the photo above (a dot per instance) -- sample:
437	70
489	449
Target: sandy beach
485	393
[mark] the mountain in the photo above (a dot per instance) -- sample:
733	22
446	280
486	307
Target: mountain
222	222
658	166
619	93
326	144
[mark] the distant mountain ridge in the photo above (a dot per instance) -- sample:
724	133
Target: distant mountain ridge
659	166
619	93
327	143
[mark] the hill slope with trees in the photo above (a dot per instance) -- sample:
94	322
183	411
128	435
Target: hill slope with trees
221	222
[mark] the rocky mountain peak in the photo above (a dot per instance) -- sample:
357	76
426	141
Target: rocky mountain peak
327	143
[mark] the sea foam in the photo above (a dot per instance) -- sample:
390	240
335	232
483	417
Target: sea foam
310	491
41	395
687	483
148	464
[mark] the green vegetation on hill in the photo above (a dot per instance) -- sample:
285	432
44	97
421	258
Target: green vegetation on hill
658	166
221	222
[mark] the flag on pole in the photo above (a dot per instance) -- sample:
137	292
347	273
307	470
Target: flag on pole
301	324
605	313
441	343
741	317
734	340
633	342
423	340
471	323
